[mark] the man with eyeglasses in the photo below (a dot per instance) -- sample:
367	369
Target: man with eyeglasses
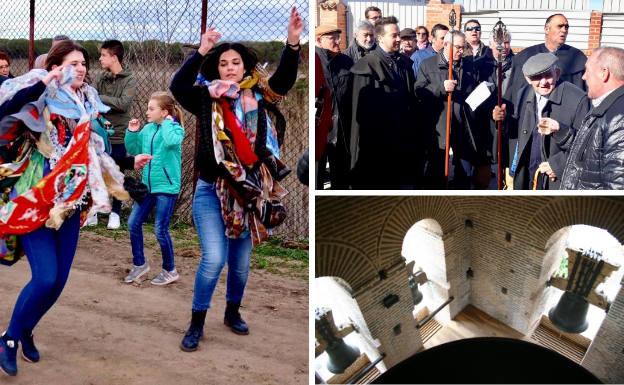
437	42
373	15
474	46
488	71
545	105
385	151
571	60
363	42
336	68
469	162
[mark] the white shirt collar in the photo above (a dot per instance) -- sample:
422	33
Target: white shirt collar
596	102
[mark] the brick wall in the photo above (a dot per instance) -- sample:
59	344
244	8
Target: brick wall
438	12
595	32
605	356
334	13
383	321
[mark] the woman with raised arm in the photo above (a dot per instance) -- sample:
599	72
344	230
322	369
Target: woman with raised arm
238	161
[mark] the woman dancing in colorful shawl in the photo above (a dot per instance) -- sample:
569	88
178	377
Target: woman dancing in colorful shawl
238	162
58	173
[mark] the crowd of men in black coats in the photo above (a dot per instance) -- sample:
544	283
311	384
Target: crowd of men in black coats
382	110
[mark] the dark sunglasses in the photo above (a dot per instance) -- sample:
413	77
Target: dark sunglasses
475	28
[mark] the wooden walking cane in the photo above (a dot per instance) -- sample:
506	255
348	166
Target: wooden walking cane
449	106
499	31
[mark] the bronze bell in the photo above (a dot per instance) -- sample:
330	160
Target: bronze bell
570	313
341	355
417	296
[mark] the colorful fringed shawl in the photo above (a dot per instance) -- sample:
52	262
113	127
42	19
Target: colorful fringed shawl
236	118
81	173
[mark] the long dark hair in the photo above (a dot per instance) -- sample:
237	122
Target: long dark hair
59	51
210	67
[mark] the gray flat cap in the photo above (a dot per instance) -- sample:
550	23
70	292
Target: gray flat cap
539	64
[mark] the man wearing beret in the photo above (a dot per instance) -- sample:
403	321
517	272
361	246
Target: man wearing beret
537	161
571	60
385	152
408	42
335	66
596	159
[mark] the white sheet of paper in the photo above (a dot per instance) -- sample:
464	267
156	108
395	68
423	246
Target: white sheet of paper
479	95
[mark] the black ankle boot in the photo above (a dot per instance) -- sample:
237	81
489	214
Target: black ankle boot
29	350
233	319
8	355
195	332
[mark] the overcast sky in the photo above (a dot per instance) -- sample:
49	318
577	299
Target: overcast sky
165	20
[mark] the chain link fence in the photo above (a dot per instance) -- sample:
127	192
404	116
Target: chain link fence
157	36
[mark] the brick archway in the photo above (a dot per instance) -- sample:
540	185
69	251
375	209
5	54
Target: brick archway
340	259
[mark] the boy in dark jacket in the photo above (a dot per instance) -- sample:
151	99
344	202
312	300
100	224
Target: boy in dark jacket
117	88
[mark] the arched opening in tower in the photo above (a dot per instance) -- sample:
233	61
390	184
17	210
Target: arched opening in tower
583	267
423	250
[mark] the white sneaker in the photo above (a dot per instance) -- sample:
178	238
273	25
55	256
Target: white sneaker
92	220
113	221
137	272
165	277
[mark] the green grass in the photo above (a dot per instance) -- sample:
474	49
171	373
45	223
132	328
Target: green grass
271	256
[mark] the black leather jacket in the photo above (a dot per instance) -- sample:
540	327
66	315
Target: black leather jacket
596	159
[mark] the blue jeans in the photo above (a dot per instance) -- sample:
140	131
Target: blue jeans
164	204
50	254
216	249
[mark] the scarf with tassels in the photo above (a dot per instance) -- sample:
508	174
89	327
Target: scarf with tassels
81	172
241	132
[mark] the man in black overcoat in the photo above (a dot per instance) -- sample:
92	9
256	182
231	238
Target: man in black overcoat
537	161
385	150
571	60
432	88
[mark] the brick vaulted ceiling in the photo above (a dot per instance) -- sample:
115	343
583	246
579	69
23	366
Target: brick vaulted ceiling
356	237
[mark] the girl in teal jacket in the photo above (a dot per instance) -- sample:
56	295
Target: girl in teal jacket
162	139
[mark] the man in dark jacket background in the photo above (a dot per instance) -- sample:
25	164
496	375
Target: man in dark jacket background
385	150
488	71
596	159
537	161
432	87
117	88
363	42
571	60
337	76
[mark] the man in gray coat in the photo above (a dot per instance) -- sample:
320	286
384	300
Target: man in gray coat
537	160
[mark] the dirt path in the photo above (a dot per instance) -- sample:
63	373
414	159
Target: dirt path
102	331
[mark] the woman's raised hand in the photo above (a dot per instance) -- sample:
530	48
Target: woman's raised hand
295	26
208	40
56	73
134	125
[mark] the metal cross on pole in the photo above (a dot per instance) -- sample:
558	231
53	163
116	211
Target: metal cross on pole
449	106
499	32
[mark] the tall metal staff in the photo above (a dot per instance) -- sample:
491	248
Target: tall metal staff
499	31
449	106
